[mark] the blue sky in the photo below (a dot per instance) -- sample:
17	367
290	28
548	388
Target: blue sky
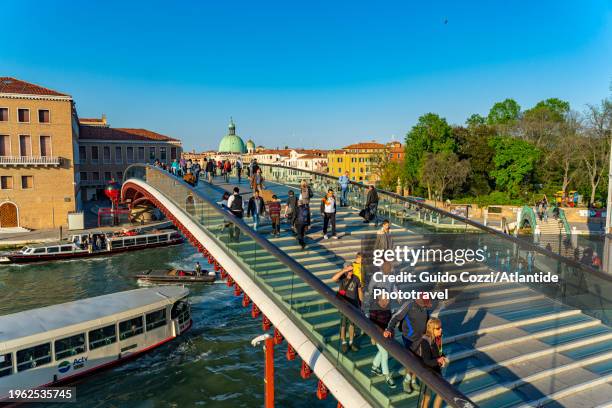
306	74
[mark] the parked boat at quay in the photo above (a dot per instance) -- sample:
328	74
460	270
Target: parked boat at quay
93	244
177	276
56	344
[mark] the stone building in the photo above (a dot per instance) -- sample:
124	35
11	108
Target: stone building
38	133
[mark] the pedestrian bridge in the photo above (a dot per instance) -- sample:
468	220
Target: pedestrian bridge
509	344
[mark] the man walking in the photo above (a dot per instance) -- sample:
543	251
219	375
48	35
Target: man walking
235	206
328	210
344	183
256	208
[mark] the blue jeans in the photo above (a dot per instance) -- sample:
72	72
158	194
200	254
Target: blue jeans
344	200
255	220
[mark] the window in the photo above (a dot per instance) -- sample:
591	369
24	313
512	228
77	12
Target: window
33	357
107	175
156	319
162	154
353	169
70	346
23	115
94	154
129	154
27	182
141	156
141	241
25	145
52	250
118	158
39	251
106	154
5	146
151	153
95	176
66	248
152	240
6	364
3	114
339	170
360	178
172	153
43	116
102	337
83	176
82	154
6	182
119	176
45	146
130	328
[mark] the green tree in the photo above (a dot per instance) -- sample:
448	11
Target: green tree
514	162
443	171
431	134
542	124
476	120
504	113
474	146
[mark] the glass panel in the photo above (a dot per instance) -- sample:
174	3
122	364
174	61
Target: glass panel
70	346
130	328
102	337
33	357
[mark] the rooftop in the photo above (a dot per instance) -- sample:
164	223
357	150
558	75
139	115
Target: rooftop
106	133
9	85
365	145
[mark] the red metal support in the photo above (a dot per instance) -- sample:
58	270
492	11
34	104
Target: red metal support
255	312
322	391
278	337
237	290
265	323
305	371
229	281
269	373
245	300
290	352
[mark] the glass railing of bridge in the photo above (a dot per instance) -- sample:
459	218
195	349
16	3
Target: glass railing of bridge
579	286
301	293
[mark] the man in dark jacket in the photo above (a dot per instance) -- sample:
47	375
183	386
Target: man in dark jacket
210	170
302	221
256	208
371	205
291	209
412	318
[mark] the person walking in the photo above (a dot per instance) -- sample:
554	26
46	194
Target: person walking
384	240
291	209
349	289
198	269
412	318
227	169
429	348
371	206
275	210
305	192
256	208
379	312
210	170
302	222
344	183
239	169
258	180
236	207
328	210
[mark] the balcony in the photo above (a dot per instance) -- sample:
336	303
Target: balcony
50	161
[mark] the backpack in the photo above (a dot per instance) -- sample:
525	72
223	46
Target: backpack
310	192
236	207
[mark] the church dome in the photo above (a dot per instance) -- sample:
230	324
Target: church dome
250	145
232	143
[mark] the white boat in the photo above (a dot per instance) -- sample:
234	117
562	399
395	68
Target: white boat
55	344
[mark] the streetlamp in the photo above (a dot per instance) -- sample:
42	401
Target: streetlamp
269	367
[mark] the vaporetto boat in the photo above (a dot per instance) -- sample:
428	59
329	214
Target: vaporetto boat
92	244
56	344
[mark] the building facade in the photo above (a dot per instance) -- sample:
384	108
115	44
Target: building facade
38	133
358	159
105	152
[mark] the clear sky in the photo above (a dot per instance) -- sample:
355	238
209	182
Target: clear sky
312	73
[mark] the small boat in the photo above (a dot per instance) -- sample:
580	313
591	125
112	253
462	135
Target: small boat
177	275
55	344
93	244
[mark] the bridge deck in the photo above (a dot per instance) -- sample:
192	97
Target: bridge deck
508	344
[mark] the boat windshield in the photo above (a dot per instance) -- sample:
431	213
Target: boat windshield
25	250
180	310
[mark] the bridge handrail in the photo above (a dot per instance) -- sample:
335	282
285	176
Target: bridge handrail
439	385
441	212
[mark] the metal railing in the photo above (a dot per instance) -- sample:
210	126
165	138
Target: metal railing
214	220
580	285
30	161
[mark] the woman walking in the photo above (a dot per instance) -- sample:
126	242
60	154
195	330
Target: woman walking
430	351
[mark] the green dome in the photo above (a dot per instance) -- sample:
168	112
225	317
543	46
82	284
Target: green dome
232	144
250	145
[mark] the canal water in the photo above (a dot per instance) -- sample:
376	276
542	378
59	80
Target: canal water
213	365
